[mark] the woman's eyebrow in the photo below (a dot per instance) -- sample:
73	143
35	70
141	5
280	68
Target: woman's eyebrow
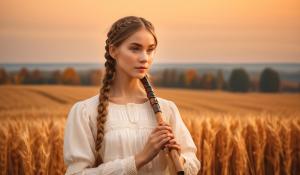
141	45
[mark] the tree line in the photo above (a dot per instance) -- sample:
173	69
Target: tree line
239	80
68	76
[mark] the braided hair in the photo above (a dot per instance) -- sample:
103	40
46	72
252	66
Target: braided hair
119	31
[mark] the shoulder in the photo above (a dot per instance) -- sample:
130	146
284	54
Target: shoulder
85	106
91	101
168	107
166	103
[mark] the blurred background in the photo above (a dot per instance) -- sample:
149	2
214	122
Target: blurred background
200	43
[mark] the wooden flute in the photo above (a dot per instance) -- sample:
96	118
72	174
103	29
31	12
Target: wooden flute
158	113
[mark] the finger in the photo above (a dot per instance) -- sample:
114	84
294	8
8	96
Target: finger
163	142
163	124
161	137
158	128
173	141
177	147
161	127
157	134
171	134
167	125
164	127
154	130
158	138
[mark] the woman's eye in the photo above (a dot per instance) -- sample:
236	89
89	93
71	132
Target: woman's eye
134	48
150	51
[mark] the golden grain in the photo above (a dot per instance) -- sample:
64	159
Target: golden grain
235	134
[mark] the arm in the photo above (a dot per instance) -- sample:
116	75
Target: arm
79	148
184	138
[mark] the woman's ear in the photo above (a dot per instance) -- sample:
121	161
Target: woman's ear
112	51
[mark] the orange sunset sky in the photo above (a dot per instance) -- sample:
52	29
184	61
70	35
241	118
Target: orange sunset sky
213	31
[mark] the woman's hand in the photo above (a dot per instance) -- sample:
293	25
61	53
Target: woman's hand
172	144
156	141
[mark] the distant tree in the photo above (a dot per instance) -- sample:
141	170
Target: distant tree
23	76
3	76
165	79
156	79
95	77
239	80
181	80
269	80
70	77
173	77
190	77
220	82
56	77
196	83
36	77
208	81
169	78
151	78
226	86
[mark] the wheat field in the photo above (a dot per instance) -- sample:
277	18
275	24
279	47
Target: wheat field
235	133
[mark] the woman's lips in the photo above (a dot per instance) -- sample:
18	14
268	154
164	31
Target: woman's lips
141	69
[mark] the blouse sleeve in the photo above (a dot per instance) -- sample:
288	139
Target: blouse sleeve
79	148
184	138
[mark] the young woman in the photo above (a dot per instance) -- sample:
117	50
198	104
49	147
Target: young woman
115	131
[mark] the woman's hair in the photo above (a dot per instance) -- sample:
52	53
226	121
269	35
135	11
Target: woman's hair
122	29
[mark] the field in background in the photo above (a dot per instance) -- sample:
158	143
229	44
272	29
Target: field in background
235	133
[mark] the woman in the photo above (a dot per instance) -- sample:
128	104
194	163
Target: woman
115	131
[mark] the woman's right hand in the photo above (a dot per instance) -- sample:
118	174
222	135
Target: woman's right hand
156	141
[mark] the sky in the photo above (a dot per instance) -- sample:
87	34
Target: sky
210	31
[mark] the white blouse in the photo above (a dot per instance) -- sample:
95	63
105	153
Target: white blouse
126	131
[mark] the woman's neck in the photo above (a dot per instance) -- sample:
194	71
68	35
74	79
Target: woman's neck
127	89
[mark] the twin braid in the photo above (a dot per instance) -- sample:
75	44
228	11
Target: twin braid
110	63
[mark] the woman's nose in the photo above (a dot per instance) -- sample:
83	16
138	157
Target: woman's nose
144	57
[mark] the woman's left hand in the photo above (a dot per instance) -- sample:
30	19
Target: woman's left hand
172	144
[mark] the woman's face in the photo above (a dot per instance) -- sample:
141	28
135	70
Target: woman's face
135	55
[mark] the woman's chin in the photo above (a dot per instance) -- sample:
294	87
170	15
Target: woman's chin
140	75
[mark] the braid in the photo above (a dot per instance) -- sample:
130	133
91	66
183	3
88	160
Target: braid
119	31
103	103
